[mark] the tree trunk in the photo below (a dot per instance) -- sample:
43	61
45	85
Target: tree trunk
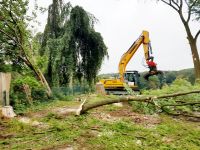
195	57
27	90
84	107
193	47
49	71
44	83
39	75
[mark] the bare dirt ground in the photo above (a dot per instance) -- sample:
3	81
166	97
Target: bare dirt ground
126	112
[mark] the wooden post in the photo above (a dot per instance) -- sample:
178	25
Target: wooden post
5	79
7	110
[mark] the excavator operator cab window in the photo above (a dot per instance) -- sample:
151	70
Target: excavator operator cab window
130	77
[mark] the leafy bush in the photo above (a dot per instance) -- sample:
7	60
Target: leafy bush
18	96
5	68
28	80
179	85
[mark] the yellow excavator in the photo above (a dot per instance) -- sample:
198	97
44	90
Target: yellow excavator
131	78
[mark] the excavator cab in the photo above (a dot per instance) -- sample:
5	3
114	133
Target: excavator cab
131	78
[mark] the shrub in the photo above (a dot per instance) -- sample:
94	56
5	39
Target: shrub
179	85
18	96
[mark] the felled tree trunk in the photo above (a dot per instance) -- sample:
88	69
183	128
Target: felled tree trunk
39	75
84	107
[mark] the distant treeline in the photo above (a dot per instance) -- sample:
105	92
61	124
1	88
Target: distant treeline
185	73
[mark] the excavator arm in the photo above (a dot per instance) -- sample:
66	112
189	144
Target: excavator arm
143	39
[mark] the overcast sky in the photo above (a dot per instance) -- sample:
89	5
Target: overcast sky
122	21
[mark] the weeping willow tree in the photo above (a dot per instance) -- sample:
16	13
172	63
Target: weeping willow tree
88	44
75	50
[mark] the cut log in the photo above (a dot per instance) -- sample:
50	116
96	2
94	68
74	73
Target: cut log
149	99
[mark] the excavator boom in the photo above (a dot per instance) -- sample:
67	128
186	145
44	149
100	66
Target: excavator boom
126	57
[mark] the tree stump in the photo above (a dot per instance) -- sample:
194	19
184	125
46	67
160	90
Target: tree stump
8	112
100	89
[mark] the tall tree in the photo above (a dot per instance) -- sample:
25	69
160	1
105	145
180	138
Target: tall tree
75	50
88	44
15	38
188	9
58	13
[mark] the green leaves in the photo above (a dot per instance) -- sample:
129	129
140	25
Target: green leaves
196	8
28	80
74	49
176	105
90	48
13	28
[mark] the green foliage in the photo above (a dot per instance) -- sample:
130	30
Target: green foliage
18	96
52	44
170	77
75	51
66	93
28	80
195	8
154	82
14	34
5	68
16	39
90	48
40	61
179	85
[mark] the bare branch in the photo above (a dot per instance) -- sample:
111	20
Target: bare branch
187	3
181	3
176	3
196	36
189	14
170	4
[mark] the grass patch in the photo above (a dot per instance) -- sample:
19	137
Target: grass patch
91	132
